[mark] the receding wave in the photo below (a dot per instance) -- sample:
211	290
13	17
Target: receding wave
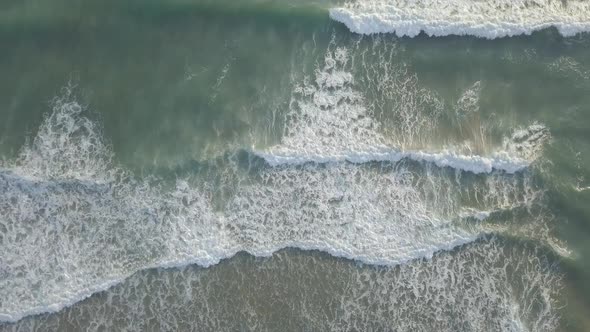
488	19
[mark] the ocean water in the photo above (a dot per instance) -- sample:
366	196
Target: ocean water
260	165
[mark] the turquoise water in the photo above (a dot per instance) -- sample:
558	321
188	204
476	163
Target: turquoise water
201	165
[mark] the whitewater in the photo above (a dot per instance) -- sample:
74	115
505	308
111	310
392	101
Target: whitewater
75	223
486	19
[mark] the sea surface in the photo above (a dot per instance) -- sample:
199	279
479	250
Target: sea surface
274	165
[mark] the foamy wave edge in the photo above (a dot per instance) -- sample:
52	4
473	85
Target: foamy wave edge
373	23
208	261
470	163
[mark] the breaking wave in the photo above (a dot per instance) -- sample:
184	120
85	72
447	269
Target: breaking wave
487	19
330	121
73	223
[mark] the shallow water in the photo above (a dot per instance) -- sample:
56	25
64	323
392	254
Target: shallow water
200	165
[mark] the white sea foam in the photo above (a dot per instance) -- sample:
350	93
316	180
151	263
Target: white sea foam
69	239
527	142
487	19
72	223
330	121
376	216
474	164
483	286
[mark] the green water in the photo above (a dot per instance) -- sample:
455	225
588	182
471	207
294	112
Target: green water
175	85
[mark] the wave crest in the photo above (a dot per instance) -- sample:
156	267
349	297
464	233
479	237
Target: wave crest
487	19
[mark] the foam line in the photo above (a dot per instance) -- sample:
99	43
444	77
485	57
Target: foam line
474	164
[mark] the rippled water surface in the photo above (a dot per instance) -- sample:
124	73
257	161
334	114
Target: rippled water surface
370	165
